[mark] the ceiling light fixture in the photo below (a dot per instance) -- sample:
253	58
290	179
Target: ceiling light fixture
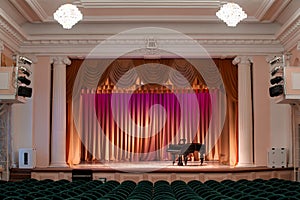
231	14
67	15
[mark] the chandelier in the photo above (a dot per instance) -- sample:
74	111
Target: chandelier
231	14
67	15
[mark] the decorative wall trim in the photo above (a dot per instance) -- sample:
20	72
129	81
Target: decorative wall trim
271	9
37	9
14	35
216	48
263	9
289	30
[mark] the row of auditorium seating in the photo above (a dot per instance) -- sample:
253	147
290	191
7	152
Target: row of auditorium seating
272	189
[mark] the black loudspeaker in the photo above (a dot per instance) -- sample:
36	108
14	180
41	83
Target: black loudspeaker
24	80
276	90
24	91
82	174
276	80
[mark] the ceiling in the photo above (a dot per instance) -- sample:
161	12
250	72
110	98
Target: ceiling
27	26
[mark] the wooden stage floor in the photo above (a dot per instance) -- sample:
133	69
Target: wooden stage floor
165	170
167	166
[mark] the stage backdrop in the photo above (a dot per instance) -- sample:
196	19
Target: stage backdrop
129	117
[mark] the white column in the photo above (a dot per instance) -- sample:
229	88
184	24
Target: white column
58	135
245	111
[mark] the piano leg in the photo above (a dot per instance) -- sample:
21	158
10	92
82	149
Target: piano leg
185	159
173	158
201	158
180	163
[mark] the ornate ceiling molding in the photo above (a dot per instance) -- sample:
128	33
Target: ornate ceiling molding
270	9
31	10
148	4
132	41
15	38
13	35
35	6
263	9
169	18
289	33
215	48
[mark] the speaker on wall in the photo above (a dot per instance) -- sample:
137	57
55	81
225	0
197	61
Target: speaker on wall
27	158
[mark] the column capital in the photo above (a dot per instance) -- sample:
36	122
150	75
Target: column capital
246	60
60	60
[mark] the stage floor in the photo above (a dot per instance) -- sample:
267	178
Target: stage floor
150	166
164	170
167	166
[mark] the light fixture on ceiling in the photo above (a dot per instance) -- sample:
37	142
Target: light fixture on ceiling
67	15
231	14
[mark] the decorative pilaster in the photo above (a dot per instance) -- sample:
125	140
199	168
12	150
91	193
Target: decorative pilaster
58	135
1	49
245	111
5	139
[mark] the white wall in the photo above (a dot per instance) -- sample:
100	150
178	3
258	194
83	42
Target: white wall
281	132
30	121
21	125
41	111
261	110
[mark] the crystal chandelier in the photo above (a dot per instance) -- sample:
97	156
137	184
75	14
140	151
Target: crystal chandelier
231	14
67	15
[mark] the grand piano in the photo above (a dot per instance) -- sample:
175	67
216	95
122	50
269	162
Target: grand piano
182	150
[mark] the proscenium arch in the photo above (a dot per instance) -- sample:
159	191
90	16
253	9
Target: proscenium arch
186	48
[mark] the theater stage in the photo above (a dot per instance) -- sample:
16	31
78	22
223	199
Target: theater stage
165	170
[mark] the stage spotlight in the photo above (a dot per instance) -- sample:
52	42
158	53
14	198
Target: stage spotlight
276	80
276	90
24	80
25	60
24	91
276	59
24	70
276	69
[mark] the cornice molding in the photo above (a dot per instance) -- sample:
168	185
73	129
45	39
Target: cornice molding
159	18
11	30
278	9
263	9
272	8
215	48
37	9
290	30
147	4
128	41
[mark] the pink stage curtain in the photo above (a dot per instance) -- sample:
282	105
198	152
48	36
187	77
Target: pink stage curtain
127	128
